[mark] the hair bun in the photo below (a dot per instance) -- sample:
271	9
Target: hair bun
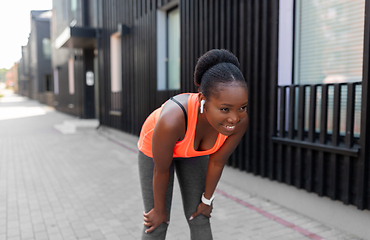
210	59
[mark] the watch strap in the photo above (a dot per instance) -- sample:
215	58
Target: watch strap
207	201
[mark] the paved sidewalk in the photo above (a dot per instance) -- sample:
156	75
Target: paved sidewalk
85	186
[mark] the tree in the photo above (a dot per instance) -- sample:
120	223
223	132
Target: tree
2	74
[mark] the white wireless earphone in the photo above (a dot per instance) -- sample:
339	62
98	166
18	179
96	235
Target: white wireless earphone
202	105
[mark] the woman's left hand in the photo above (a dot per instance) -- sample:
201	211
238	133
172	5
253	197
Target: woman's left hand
202	209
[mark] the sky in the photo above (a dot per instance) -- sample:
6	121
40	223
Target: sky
15	27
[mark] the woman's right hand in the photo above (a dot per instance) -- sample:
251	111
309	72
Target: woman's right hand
153	219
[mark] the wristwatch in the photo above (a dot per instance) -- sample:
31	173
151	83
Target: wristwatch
207	201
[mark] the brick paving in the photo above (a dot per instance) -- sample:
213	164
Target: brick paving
85	186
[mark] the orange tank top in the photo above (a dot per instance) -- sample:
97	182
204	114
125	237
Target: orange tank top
185	147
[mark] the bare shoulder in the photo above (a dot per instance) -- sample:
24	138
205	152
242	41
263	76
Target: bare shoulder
172	108
172	119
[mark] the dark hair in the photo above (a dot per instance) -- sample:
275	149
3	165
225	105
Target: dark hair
215	67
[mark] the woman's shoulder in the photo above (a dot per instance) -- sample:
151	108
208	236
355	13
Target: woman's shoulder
172	115
172	109
185	98
182	96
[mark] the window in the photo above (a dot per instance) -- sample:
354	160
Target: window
168	48
328	41
173	52
71	75
328	48
46	48
73	5
116	62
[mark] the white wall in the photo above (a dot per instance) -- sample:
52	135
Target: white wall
285	58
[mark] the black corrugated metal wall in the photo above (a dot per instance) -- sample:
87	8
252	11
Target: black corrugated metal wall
363	167
248	28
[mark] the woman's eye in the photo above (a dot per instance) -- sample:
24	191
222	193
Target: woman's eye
243	108
224	109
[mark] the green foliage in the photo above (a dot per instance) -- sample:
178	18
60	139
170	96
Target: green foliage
2	74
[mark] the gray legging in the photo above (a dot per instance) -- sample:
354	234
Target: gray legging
191	173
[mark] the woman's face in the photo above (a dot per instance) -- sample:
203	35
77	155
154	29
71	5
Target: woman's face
227	109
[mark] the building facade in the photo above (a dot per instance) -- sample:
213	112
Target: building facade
35	79
23	73
73	34
15	71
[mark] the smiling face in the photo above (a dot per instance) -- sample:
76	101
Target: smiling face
226	109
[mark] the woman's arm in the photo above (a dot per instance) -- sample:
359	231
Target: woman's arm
218	160
216	165
169	128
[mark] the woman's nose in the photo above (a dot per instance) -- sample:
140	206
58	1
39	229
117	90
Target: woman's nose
233	118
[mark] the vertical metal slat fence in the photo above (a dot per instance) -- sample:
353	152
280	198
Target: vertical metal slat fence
323	159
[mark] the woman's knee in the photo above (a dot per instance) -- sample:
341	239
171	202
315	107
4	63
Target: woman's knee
200	228
200	220
158	234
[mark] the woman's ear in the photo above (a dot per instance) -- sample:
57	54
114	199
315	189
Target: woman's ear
202	101
201	97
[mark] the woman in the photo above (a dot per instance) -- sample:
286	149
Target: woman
194	134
